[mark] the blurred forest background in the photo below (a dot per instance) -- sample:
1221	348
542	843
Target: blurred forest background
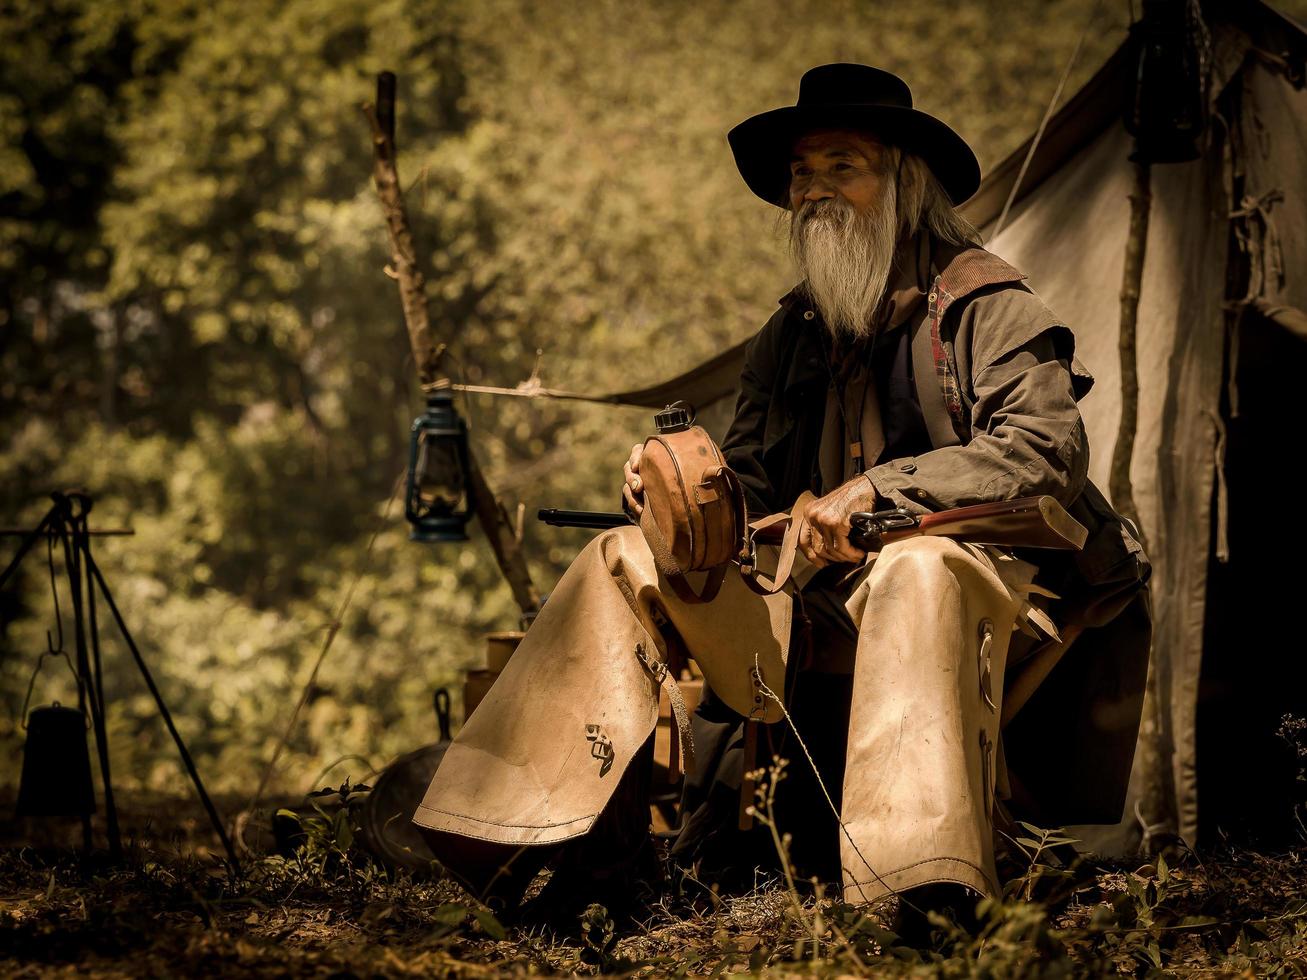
195	325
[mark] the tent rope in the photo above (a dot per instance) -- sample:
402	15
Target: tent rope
1043	123
532	388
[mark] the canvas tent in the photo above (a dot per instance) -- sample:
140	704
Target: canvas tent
1220	333
1226	229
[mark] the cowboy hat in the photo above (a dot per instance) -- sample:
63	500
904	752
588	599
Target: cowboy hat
843	96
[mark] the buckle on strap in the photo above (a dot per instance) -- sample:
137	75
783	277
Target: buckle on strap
748	558
655	667
759	710
684	733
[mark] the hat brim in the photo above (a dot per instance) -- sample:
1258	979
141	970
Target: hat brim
762	145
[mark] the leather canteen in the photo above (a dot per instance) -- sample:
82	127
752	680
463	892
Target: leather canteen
694	517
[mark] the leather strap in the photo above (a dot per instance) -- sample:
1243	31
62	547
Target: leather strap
748	784
670	570
741	514
944	402
798	520
945	372
682	761
935	385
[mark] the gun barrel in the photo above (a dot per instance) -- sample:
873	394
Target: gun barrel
1030	522
582	518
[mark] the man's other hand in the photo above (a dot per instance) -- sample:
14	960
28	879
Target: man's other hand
633	489
826	539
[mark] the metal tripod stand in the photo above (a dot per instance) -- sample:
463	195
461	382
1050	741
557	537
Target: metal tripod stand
67	521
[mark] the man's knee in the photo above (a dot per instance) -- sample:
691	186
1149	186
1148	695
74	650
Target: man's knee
618	549
920	559
623	540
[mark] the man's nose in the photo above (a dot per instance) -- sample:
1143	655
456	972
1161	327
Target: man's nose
818	189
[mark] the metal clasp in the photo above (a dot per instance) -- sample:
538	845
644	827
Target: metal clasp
759	709
749	557
986	658
655	667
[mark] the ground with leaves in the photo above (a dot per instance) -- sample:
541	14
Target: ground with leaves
170	907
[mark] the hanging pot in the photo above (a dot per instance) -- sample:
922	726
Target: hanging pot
56	780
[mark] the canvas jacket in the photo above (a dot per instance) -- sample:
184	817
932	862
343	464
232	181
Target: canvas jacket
1027	436
1007	364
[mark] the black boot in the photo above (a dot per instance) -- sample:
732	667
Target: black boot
627	885
956	903
615	865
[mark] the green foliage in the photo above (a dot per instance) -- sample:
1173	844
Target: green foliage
599	939
1037	846
326	848
232	668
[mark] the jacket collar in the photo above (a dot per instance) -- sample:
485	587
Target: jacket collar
962	269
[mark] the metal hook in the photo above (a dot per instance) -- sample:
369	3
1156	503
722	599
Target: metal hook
54	592
442	713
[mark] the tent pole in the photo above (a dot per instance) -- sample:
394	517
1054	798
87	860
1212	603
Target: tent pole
1119	484
1155	806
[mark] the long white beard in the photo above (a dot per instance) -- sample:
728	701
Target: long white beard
846	257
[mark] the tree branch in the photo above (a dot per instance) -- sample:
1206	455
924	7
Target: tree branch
406	271
403	258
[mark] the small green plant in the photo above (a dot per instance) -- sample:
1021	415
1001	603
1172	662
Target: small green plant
599	934
327	850
1044	851
1143	922
1015	938
451	918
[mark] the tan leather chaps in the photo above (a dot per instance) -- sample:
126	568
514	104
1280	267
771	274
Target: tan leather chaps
539	759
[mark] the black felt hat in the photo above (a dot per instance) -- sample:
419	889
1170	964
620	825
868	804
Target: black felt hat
850	97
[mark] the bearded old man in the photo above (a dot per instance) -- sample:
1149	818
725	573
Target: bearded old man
934	690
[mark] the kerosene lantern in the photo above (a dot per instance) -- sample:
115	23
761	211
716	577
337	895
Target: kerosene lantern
1167	103
438	500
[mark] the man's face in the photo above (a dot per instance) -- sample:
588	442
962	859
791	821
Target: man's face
827	163
843	225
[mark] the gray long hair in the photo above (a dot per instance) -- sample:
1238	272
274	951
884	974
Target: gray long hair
923	203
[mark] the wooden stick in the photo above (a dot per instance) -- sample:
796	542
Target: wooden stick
403	253
1155	798
495	520
1119	485
500	529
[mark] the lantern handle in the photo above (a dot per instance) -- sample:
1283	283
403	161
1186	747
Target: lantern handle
31	683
